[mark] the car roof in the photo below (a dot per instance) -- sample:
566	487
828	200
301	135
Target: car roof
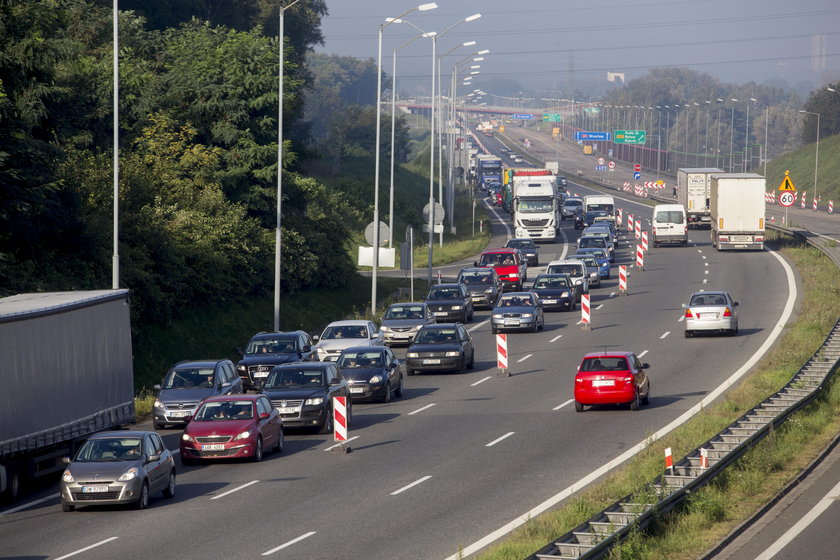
566	261
274	335
365	349
311	365
437	325
406	303
236	397
611	354
500	250
478	270
120	433
551	275
517	294
710	292
351	322
210	362
453	285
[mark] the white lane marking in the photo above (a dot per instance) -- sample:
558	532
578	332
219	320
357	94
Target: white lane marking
705	264
579	322
290	543
30	504
612	294
85	549
642	355
413	484
664	335
556	338
503	222
523	358
827	501
705	272
481	324
705	280
340	443
422	408
704	257
237	489
497	440
777	331
481	381
699	251
599	307
559	406
681	319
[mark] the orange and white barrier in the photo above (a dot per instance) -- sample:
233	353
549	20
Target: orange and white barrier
340	419
704	458
622	279
629	222
638	228
669	460
501	352
618	218
770	197
584	312
802	200
644	241
815	204
640	258
831	207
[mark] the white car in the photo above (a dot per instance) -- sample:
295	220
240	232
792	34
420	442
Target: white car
340	335
575	269
711	312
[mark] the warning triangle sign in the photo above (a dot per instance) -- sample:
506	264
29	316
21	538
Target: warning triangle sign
787	184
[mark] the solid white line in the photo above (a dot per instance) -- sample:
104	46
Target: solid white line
699	251
481	324
579	322
497	440
664	335
29	504
237	489
558	407
481	381
415	483
556	338
290	543
340	443
829	500
422	409
681	319
523	358
599	307
612	294
774	334
85	549
642	355
704	257
503	222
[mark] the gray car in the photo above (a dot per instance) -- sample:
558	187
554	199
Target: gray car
402	321
484	285
118	467
518	311
570	206
711	312
188	383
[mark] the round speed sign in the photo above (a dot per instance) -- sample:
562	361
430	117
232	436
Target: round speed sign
786	198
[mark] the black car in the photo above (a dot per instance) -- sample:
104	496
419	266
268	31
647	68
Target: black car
186	384
484	285
589	217
303	392
373	373
556	291
441	347
578	217
450	302
266	350
527	247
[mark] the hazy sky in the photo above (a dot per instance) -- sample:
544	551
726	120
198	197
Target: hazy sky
537	41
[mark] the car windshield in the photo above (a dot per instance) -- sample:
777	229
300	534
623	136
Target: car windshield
707	299
225	410
604	364
444	293
497	258
109	450
344	331
436	336
572	202
476	278
188	378
404	312
295	378
352	359
271	346
592	242
515	301
548	282
589	261
535	206
590	216
521	244
573	270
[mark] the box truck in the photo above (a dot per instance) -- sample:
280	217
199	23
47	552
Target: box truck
736	204
693	187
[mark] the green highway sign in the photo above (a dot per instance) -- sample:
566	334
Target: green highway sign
552	117
630	136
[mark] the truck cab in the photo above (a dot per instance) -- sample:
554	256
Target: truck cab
535	209
509	265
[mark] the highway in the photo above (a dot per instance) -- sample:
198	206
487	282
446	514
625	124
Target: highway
460	455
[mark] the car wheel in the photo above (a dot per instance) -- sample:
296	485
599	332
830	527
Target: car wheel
535	327
409	371
578	407
542	324
281	441
646	398
143	501
327	426
158	426
386	398
471	363
463	367
258	451
68	507
688	334
399	390
169	491
464	317
634	404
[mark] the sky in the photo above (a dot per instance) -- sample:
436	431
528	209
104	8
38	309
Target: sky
548	44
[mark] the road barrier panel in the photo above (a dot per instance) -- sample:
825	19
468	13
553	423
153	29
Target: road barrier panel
585	313
622	279
618	218
629	222
502	355
339	412
638	228
831	207
640	257
644	241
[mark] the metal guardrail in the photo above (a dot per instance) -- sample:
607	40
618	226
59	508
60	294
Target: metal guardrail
593	538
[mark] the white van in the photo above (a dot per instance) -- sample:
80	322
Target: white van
575	269
669	224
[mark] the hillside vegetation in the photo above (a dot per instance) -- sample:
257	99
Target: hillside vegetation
800	163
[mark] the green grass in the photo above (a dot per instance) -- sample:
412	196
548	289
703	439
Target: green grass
801	166
715	510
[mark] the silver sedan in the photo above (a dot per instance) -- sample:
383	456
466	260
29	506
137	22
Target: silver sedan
711	311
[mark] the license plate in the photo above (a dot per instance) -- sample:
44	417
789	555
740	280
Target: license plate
213	447
401	335
431	361
179	414
512	322
288	409
549	301
603	383
261	374
441	313
357	389
708	315
477	298
94	489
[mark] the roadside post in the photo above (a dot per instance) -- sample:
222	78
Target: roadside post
669	460
585	313
629	222
502	355
339	411
618	218
622	279
644	241
640	258
638	228
704	458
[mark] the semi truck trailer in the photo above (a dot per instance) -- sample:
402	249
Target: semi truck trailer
737	210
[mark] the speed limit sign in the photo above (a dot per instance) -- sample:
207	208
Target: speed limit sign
786	198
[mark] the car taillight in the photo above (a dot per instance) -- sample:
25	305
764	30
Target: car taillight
688	314
628	379
727	313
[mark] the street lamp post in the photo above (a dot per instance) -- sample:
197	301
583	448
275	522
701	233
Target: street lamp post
817	159
115	259
747	134
731	133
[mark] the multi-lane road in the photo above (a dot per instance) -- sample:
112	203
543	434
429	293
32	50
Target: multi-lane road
460	456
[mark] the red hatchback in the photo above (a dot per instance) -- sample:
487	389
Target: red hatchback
611	378
232	427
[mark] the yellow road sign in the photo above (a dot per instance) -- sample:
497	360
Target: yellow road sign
787	183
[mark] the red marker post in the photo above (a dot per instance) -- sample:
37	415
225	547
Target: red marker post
622	279
339	412
669	460
502	355
585	313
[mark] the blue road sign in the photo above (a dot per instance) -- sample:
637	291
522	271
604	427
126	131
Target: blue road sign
600	168
523	116
637	175
599	136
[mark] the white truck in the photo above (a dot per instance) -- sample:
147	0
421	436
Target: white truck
536	210
736	204
693	186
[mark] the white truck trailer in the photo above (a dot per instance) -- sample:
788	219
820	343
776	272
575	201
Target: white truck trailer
67	373
536	210
736	204
693	188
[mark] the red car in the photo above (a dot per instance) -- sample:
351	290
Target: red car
509	265
232	427
611	378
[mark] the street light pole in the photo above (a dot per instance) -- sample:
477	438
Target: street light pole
817	159
747	134
115	259
731	134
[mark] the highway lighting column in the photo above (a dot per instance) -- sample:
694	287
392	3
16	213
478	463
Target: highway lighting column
731	134
115	259
817	159
747	135
377	150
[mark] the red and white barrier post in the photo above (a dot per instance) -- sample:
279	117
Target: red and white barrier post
638	228
831	207
644	241
585	313
502	355
802	200
704	458
622	279
618	219
339	412
640	258
815	203
669	460
629	222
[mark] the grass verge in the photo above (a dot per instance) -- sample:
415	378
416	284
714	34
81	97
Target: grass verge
716	509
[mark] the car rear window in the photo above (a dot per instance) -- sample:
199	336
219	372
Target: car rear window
573	270
604	364
497	258
295	378
669	216
474	278
435	336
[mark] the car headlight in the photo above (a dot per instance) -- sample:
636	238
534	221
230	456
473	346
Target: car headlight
158	404
241	367
244	435
593	275
129	474
564	294
527	315
383	328
186	437
497	316
488	291
68	476
376	379
457	307
412	355
416	328
578	282
314	400
452	354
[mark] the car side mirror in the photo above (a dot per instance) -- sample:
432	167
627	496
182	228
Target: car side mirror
152	458
307	348
225	384
240	351
475	263
575	246
735	304
645	365
316	337
395	364
65	460
264	415
335	381
156	387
